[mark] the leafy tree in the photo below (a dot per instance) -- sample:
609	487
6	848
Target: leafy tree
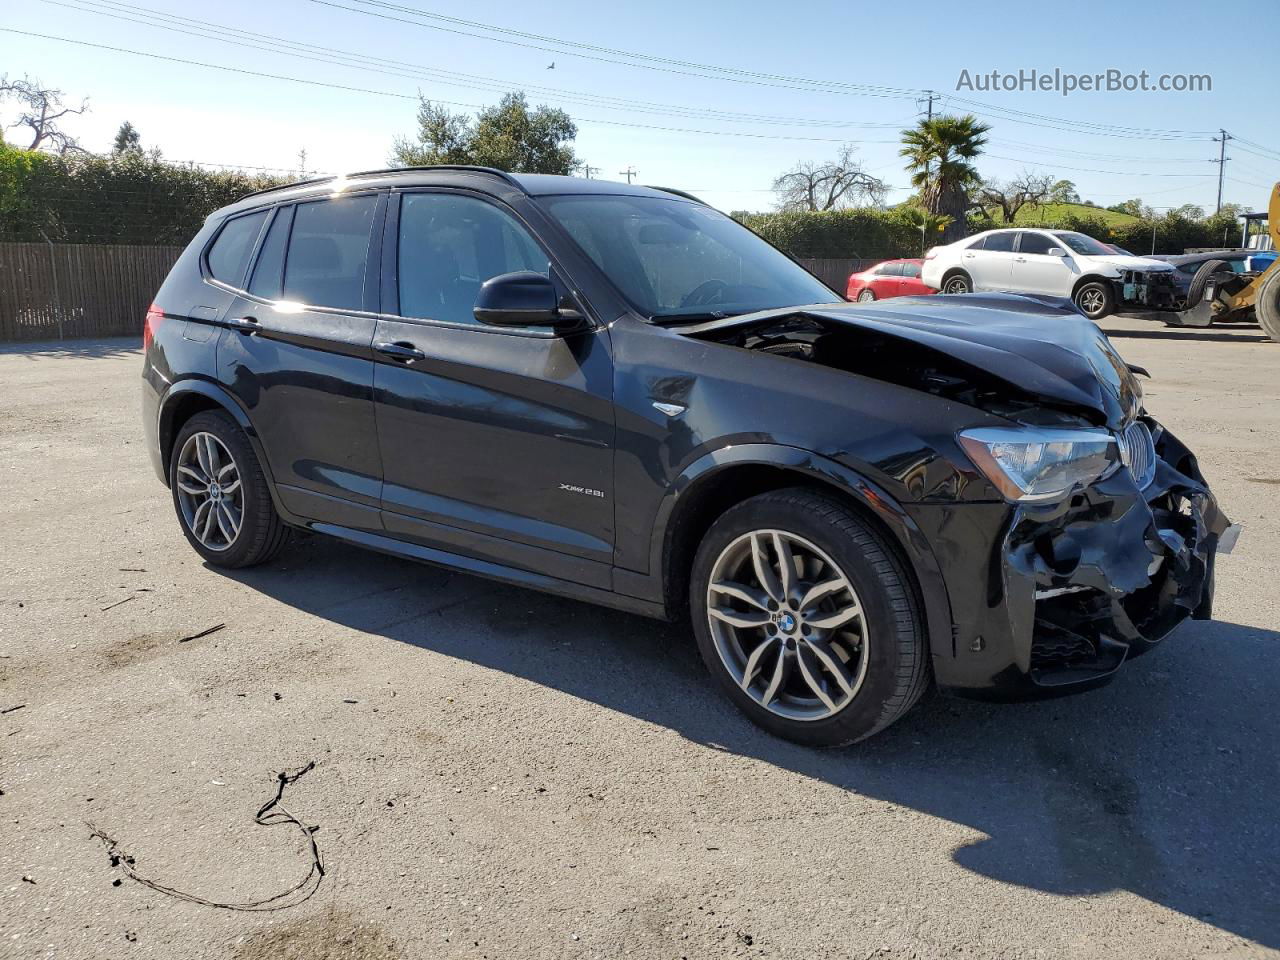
127	140
1064	191
41	109
1135	208
930	225
833	185
508	136
1023	190
939	154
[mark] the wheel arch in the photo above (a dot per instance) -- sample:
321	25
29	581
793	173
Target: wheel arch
184	400
724	478
1092	278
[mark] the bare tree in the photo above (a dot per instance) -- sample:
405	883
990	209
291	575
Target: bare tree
1025	189
828	186
42	108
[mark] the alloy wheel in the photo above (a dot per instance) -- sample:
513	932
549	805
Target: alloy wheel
787	624
1091	301
210	493
956	285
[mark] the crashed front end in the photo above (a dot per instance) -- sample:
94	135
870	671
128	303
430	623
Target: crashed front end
1148	289
1066	592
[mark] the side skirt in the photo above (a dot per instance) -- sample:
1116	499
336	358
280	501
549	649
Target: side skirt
492	571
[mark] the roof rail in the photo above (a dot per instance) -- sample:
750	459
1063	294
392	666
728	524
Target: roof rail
679	193
467	168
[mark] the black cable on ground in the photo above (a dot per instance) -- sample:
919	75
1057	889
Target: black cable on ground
272	813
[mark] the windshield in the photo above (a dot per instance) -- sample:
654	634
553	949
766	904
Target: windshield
1086	245
678	260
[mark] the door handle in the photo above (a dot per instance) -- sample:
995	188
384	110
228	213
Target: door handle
244	324
969	256
401	351
1019	259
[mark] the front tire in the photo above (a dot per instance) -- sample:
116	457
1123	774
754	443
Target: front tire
1096	299
807	619
220	494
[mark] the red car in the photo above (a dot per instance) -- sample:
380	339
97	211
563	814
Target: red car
893	278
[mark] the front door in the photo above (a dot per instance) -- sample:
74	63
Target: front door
497	443
299	357
1035	271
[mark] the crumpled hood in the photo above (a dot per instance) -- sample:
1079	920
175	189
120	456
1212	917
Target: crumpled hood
1042	346
1121	262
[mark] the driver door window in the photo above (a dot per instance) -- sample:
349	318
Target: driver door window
448	246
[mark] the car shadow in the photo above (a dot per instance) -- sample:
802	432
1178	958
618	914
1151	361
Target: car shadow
1205	334
1163	783
90	349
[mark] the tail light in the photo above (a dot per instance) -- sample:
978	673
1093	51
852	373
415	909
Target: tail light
151	325
931	253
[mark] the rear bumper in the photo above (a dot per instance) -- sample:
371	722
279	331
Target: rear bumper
1066	594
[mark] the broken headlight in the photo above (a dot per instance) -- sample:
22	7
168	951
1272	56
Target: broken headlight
1039	463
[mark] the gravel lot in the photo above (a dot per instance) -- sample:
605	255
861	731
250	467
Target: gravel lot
507	775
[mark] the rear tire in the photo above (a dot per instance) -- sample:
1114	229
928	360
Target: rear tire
1267	305
220	494
957	282
1206	272
865	295
777	664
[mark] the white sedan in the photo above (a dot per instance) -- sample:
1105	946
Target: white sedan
1056	263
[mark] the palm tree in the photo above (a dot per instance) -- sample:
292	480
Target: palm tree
939	152
929	224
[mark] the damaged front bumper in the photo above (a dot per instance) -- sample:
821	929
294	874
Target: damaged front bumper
1068	592
1147	289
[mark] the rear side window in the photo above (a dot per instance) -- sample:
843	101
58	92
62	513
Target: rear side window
268	273
890	270
229	255
449	245
1001	242
977	244
911	269
329	252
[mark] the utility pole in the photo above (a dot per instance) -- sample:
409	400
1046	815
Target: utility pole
929	97
1222	163
628	173
302	163
588	169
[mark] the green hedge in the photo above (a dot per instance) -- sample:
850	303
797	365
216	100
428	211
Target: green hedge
883	234
871	234
131	198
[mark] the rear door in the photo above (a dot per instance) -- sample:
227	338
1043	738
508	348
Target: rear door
497	442
888	281
1035	271
992	266
912	285
298	355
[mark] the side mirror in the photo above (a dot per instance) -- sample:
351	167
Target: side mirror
1055	252
521	299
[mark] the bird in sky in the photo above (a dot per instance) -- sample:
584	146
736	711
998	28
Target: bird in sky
552	65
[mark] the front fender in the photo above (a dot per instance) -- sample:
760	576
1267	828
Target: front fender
906	535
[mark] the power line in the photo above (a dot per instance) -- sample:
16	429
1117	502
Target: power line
330	55
406	96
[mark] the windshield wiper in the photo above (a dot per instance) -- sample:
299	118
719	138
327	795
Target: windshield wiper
665	318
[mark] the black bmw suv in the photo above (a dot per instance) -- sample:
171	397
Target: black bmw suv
619	394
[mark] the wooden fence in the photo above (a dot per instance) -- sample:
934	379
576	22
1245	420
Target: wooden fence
835	273
60	291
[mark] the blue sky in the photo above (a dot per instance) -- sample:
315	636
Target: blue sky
194	113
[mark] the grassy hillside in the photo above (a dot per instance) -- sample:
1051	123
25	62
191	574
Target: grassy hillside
1058	212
